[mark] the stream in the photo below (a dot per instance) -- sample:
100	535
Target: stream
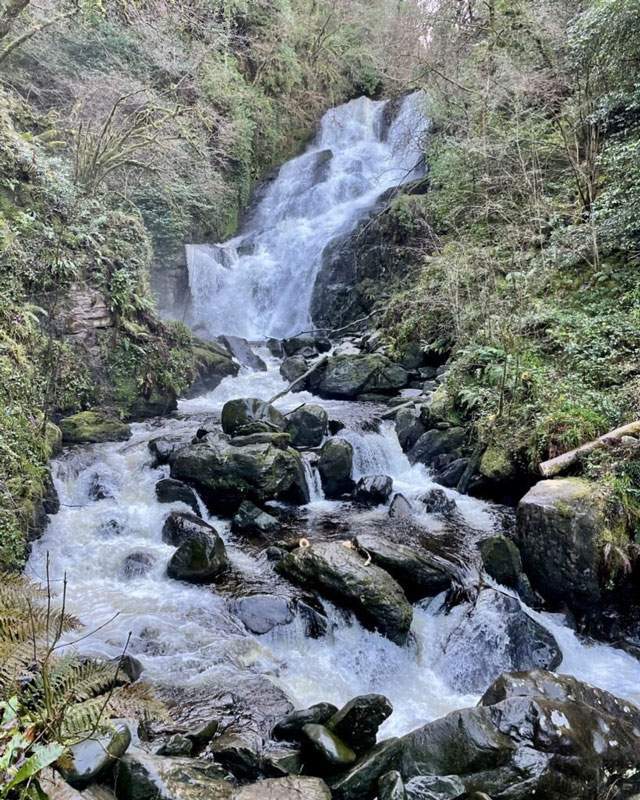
259	285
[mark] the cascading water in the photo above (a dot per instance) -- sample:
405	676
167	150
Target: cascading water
257	284
260	283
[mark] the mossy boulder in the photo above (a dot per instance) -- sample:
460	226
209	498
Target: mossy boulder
225	475
349	375
307	425
563	526
343	575
501	559
52	440
92	427
249	415
497	465
335	466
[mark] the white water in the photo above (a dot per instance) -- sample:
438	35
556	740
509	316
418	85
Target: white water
260	283
186	635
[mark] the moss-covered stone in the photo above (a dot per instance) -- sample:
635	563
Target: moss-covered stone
93	427
496	464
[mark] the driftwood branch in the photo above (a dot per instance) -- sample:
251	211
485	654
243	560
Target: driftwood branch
393	411
554	466
310	371
329	331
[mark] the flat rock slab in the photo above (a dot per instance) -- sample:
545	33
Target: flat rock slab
285	789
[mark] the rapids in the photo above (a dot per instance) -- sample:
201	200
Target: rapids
259	284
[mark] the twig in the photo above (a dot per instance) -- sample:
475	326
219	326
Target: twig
309	372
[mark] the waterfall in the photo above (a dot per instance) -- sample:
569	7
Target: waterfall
260	283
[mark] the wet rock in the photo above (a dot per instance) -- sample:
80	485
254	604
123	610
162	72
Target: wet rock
110	527
242	352
492	636
562	525
253	521
240	753
280	761
361	780
291	788
275	347
163	447
357	722
335	466
93	757
289	728
128	666
342	575
293	368
335	426
409	427
250	415
501	559
307	426
213	363
391	786
225	475
199	559
420	573
436	442
260	613
549	736
436	501
315	620
143	776
92	427
374	489
450	476
295	344
137	564
434	787
169	490
400	508
176	745
179	527
326	747
349	375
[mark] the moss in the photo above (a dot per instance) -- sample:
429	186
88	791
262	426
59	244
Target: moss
496	464
93	426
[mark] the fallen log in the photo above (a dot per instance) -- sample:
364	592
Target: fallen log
393	411
321	362
554	466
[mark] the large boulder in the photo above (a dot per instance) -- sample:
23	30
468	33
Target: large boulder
562	528
335	466
479	641
349	375
307	425
249	415
344	576
242	352
180	526
226	475
199	559
436	442
307	341
533	735
93	427
293	368
169	490
357	722
420	573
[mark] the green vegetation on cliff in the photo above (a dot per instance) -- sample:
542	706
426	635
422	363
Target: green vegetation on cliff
532	291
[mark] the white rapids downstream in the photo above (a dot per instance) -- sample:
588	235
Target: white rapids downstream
187	635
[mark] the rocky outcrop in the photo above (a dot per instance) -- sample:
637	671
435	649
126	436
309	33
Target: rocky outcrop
247	416
533	735
335	467
420	573
93	427
349	375
562	528
225	475
492	635
344	576
307	425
